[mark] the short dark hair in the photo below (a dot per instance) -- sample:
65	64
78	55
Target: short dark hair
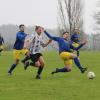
21	25
65	32
37	27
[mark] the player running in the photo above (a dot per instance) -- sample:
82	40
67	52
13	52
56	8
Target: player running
1	43
18	48
36	41
65	53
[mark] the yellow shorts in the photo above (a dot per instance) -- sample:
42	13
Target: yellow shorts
65	56
1	46
17	53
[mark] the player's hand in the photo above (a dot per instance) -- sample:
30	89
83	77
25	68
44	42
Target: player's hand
44	45
84	42
25	46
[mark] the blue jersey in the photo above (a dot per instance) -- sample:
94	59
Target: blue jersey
64	46
20	38
75	38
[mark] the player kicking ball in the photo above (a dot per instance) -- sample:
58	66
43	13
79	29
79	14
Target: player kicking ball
65	53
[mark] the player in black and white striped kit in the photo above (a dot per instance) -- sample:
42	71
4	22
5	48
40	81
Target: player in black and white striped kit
36	42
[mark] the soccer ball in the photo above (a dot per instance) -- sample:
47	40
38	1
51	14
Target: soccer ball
91	75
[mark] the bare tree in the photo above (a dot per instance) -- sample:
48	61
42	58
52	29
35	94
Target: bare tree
70	15
97	21
96	36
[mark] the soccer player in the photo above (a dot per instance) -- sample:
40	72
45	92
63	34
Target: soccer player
65	53
1	43
75	40
36	55
18	48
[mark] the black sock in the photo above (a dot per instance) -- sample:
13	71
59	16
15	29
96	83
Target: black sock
32	64
25	59
1	50
12	68
40	69
78	53
63	70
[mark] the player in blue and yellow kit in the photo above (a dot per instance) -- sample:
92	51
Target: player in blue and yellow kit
66	54
18	48
75	39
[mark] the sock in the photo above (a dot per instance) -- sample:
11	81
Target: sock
32	64
1	50
12	68
78	53
40	69
78	64
63	70
25	59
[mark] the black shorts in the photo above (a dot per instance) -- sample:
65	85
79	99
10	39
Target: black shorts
35	57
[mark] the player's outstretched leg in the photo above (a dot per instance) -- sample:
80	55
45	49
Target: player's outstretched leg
65	69
78	64
65	56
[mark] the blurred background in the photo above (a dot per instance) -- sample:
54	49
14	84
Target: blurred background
56	16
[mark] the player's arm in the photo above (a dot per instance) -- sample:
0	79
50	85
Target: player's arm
26	44
26	41
77	48
51	37
46	44
82	44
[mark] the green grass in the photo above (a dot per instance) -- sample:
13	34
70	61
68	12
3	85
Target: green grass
22	85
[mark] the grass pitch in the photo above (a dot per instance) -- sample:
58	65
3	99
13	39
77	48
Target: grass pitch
22	85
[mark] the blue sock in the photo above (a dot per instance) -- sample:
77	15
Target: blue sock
62	70
78	64
12	68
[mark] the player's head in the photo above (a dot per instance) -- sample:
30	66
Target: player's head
66	35
38	30
76	31
22	27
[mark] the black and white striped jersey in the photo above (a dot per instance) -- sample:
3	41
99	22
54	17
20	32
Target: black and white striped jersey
36	42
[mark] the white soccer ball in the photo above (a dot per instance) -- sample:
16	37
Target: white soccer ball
91	75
